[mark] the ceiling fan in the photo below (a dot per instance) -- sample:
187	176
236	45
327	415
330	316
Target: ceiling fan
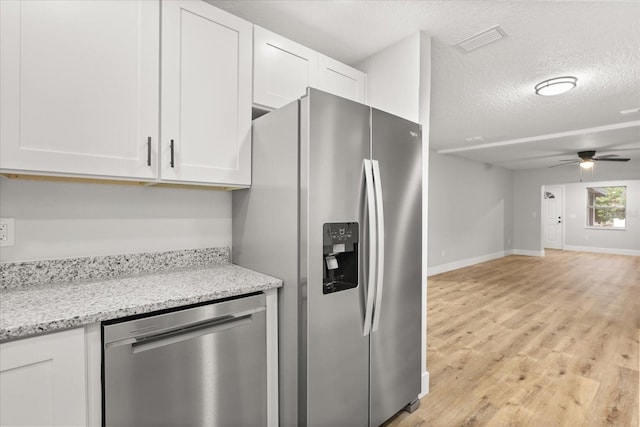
587	158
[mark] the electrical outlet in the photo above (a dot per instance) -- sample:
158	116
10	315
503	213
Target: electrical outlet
7	231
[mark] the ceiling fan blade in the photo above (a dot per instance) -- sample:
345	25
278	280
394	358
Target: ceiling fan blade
567	162
606	156
620	159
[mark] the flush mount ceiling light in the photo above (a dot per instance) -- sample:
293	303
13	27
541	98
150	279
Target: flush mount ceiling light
556	86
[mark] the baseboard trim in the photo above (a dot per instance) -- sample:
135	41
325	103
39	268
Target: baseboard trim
443	268
528	253
425	384
612	251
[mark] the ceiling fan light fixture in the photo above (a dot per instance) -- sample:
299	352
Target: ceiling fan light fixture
586	164
556	86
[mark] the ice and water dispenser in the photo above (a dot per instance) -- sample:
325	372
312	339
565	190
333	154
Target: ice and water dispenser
340	256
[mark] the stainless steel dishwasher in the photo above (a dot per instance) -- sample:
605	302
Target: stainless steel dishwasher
201	366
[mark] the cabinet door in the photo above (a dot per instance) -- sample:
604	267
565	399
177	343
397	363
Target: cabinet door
43	381
206	95
79	86
342	80
282	69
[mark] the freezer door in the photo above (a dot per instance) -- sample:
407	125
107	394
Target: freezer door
334	142
395	345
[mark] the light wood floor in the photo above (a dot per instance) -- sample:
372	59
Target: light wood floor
527	341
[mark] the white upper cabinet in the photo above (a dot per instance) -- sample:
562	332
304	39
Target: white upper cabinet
342	80
79	87
206	95
282	69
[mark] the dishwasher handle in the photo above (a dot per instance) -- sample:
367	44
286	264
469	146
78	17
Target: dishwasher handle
190	332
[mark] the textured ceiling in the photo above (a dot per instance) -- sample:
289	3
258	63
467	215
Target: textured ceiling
489	92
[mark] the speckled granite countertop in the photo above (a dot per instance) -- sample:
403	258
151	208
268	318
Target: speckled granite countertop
46	307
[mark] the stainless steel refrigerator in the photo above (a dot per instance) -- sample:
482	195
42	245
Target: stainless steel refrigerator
335	211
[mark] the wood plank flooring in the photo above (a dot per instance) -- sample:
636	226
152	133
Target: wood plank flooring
528	341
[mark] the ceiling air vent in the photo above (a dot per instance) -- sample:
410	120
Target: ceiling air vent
481	39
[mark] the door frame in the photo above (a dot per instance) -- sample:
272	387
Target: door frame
543	216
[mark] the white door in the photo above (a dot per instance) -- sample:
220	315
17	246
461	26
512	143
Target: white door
79	87
552	204
206	95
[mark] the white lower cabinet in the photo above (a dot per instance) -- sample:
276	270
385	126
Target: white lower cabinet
44	381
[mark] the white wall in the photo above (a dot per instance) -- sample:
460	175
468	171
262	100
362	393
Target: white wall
62	219
393	77
578	237
470	212
527	203
424	115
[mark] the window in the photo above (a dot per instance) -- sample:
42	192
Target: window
606	207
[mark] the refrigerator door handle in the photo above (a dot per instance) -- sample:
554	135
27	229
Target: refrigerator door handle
373	240
377	181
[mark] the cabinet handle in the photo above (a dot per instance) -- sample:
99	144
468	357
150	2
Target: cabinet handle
171	162
149	151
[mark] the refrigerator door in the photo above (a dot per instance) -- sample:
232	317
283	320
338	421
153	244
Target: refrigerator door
334	141
395	345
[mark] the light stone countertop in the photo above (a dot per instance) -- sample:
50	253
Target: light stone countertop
36	309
